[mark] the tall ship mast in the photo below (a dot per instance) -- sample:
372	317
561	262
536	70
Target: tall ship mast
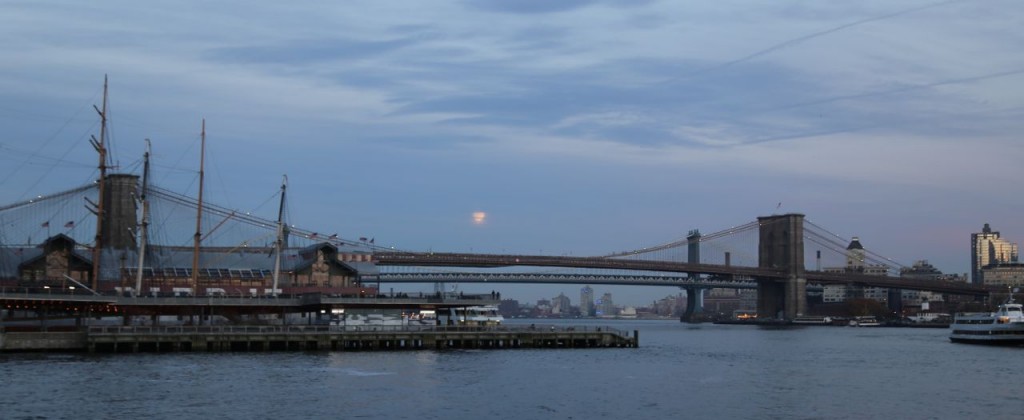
101	149
145	220
279	243
199	214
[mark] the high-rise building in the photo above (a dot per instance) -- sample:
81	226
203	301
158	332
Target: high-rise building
605	306
586	301
988	248
561	306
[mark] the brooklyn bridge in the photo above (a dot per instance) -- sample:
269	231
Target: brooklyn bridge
134	256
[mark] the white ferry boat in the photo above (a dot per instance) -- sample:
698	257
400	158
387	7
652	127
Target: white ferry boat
484	315
1004	326
812	320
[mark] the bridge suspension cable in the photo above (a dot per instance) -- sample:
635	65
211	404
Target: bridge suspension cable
50	197
685	242
839	244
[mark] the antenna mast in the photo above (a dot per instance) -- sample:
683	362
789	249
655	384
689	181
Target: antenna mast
199	214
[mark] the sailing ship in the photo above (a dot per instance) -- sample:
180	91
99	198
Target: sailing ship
123	258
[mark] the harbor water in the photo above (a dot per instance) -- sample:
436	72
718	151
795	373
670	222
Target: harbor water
679	371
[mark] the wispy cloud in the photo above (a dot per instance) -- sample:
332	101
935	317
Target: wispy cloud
845	98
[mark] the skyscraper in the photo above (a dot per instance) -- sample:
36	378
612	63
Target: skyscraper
605	306
988	248
586	301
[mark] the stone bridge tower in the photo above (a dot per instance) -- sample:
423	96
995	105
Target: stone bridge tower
120	211
781	247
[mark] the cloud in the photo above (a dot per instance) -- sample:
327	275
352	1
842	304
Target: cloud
305	52
659	98
528	6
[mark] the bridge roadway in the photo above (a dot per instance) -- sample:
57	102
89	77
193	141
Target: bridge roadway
434	259
542	278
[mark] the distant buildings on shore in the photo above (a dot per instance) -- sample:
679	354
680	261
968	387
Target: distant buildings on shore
590	307
994	260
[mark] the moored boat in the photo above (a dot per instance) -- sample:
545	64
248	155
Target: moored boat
1004	326
482	315
812	320
864	321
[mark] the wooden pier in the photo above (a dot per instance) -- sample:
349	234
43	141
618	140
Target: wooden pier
130	339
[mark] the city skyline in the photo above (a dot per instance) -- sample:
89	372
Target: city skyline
581	128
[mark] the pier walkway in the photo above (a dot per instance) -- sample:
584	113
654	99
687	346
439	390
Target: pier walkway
126	339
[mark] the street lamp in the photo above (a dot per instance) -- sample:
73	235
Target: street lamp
47	289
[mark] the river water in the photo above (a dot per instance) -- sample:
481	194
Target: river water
679	371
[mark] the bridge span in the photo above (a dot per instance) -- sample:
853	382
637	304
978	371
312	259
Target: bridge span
713	282
436	259
724	276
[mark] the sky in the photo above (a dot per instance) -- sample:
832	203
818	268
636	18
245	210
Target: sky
578	127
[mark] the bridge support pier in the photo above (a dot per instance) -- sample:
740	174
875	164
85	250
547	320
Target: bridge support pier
781	247
895	302
694	303
694	295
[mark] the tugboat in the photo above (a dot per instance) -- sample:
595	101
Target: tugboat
1004	326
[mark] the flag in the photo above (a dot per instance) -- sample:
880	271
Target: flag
70	224
362	239
371	240
46	224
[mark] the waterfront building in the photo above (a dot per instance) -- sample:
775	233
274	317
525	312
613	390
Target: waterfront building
748	299
921	270
561	306
721	301
856	262
605	306
670	306
542	309
319	267
1007	275
988	248
509	308
587	301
